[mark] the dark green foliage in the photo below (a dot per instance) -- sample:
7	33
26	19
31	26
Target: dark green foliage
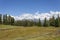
39	23
24	23
5	19
18	23
57	22
52	21
12	20
8	20
45	24
0	18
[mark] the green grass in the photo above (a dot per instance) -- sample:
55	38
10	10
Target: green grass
8	32
6	26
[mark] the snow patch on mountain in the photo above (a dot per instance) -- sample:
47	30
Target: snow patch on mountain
37	15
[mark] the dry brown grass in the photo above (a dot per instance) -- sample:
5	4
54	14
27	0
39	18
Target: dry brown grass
26	33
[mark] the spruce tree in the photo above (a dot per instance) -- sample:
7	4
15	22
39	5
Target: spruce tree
57	22
45	24
12	20
52	21
0	18
39	23
5	19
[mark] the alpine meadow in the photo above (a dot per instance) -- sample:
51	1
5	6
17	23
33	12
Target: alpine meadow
29	19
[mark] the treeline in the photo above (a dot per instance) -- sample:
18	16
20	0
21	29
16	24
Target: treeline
8	20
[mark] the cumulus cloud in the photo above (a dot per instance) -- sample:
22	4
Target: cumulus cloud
37	15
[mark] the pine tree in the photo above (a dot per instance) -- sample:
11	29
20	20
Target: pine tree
5	19
9	20
52	21
39	23
0	18
12	20
57	22
45	24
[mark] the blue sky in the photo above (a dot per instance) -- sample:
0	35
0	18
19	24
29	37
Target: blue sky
17	7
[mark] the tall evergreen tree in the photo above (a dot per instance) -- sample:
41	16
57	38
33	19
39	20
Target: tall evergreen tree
57	21
52	21
5	19
9	19
45	24
12	20
39	23
0	18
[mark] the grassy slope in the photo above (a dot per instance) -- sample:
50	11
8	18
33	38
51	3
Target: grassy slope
8	32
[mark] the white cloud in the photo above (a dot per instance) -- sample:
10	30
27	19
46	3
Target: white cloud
37	15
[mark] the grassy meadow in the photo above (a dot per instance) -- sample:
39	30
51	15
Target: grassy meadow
8	32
